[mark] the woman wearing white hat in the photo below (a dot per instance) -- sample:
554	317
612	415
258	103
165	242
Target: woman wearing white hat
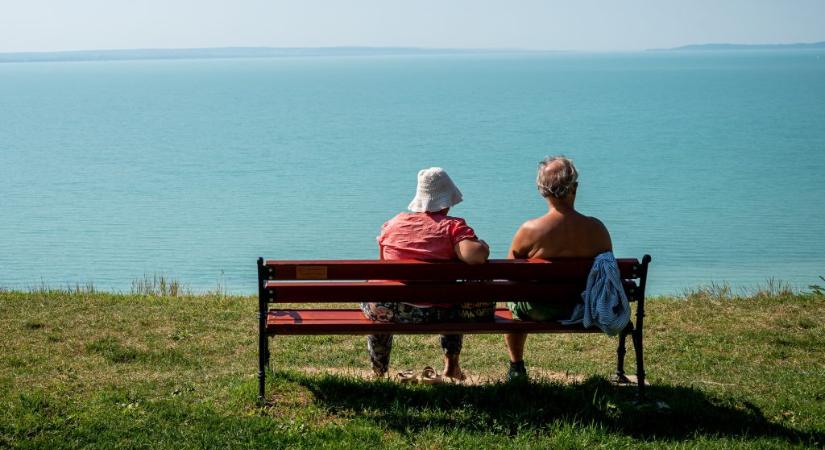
428	233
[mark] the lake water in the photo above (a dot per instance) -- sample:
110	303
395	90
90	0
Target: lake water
712	162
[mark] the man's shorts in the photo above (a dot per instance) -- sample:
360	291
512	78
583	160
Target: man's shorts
539	312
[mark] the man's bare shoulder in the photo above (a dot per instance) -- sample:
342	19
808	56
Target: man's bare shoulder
533	227
525	238
530	224
596	222
599	229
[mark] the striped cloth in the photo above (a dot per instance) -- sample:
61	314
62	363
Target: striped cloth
604	301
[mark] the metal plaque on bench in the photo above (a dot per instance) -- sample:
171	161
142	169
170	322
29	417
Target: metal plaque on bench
311	272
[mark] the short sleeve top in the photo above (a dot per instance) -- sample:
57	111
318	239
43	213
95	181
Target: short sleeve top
423	236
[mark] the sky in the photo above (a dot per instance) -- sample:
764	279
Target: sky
585	25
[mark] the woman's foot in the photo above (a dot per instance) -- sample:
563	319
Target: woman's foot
378	373
454	376
452	369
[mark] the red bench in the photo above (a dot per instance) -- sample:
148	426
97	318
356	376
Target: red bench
559	281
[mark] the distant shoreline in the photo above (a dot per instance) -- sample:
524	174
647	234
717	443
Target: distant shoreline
236	52
714	47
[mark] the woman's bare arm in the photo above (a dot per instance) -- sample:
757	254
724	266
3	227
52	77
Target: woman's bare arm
472	251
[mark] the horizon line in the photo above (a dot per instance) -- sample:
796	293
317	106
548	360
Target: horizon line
365	50
408	47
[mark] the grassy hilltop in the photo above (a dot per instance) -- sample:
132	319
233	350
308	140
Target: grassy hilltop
87	369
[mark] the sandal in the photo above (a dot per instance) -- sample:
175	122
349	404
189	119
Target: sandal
430	376
406	376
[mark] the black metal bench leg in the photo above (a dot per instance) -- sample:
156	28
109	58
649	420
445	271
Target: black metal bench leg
621	350
640	362
263	357
262	370
638	344
263	340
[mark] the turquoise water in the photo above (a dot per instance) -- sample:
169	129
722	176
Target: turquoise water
714	163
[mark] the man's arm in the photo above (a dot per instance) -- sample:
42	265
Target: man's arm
520	247
472	251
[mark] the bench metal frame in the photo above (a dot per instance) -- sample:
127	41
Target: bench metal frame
560	281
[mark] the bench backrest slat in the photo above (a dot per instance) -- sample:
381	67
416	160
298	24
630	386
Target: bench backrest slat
523	269
328	281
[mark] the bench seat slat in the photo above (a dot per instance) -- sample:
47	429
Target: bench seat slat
520	269
352	321
437	293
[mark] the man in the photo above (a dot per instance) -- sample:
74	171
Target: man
562	232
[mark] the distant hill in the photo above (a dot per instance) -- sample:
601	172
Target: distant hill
800	46
222	52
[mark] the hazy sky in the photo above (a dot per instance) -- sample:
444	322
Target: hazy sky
41	25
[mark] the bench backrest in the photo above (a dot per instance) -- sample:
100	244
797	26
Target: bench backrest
559	280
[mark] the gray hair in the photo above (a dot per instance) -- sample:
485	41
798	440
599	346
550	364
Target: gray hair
559	180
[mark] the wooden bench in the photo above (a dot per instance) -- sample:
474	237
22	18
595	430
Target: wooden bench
560	281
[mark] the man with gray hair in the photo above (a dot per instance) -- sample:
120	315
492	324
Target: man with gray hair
562	232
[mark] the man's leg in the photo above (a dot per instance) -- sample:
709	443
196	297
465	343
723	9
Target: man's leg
515	348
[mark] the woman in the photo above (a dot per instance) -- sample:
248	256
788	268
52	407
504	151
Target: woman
428	233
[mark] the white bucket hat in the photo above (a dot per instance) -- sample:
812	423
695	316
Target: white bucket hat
435	191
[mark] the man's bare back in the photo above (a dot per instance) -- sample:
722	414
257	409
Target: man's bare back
561	232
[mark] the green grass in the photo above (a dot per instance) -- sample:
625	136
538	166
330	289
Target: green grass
83	368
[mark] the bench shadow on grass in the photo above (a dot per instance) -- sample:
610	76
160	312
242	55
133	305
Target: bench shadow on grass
511	408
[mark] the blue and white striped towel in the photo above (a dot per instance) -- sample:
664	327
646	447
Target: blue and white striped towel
604	301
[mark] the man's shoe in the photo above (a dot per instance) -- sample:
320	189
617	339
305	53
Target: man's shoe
517	372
